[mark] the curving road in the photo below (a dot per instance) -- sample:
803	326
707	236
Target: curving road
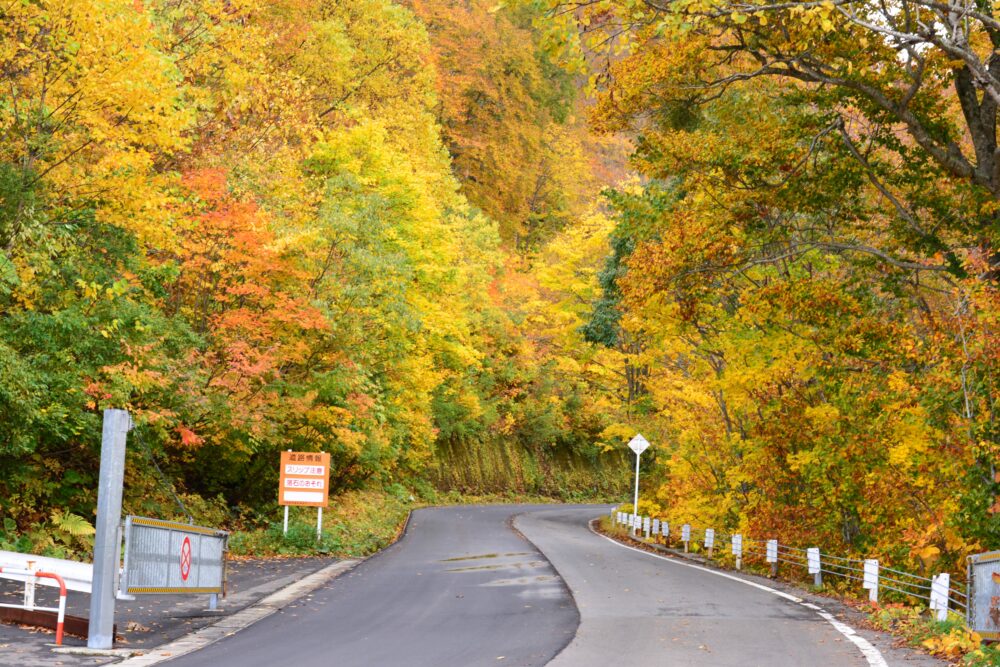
465	588
460	589
662	611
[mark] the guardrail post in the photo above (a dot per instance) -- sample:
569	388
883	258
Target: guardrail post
686	536
737	541
645	526
870	580
815	566
117	424
710	540
29	588
772	557
940	587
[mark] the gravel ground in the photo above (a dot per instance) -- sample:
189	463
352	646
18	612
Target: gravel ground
149	621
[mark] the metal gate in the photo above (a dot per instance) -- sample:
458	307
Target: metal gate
169	557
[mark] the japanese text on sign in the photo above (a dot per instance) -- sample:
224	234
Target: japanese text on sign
303	479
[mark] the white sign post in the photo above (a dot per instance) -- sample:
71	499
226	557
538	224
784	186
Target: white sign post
638	444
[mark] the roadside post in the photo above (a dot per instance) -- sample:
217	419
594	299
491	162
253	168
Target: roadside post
686	535
100	633
812	560
870	581
304	480
738	550
939	595
710	540
638	444
656	528
645	526
772	556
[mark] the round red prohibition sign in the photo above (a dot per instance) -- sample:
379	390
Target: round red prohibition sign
185	559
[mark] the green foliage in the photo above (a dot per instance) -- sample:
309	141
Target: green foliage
360	524
949	638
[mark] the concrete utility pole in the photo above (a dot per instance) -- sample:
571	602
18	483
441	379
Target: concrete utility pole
117	424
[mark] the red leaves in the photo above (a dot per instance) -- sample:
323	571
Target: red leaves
241	292
188	437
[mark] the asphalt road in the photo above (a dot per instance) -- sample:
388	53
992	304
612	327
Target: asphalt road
464	588
660	612
460	589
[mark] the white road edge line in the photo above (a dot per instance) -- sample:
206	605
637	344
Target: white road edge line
871	654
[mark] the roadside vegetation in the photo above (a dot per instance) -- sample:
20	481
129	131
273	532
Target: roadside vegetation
471	248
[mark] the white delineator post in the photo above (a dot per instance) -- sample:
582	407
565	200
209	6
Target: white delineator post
813	563
686	535
710	540
940	585
638	444
100	632
738	550
870	580
771	554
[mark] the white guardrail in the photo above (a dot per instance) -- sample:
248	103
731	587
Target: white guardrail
938	591
66	575
76	575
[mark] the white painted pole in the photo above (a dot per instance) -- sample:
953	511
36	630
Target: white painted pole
319	523
940	589
284	530
635	504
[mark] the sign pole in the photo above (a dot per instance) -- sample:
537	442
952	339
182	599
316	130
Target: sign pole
100	632
635	501
284	530
638	444
304	480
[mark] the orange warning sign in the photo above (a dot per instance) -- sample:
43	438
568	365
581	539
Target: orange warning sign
304	479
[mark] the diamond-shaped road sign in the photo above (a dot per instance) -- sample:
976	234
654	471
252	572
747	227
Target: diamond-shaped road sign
638	444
